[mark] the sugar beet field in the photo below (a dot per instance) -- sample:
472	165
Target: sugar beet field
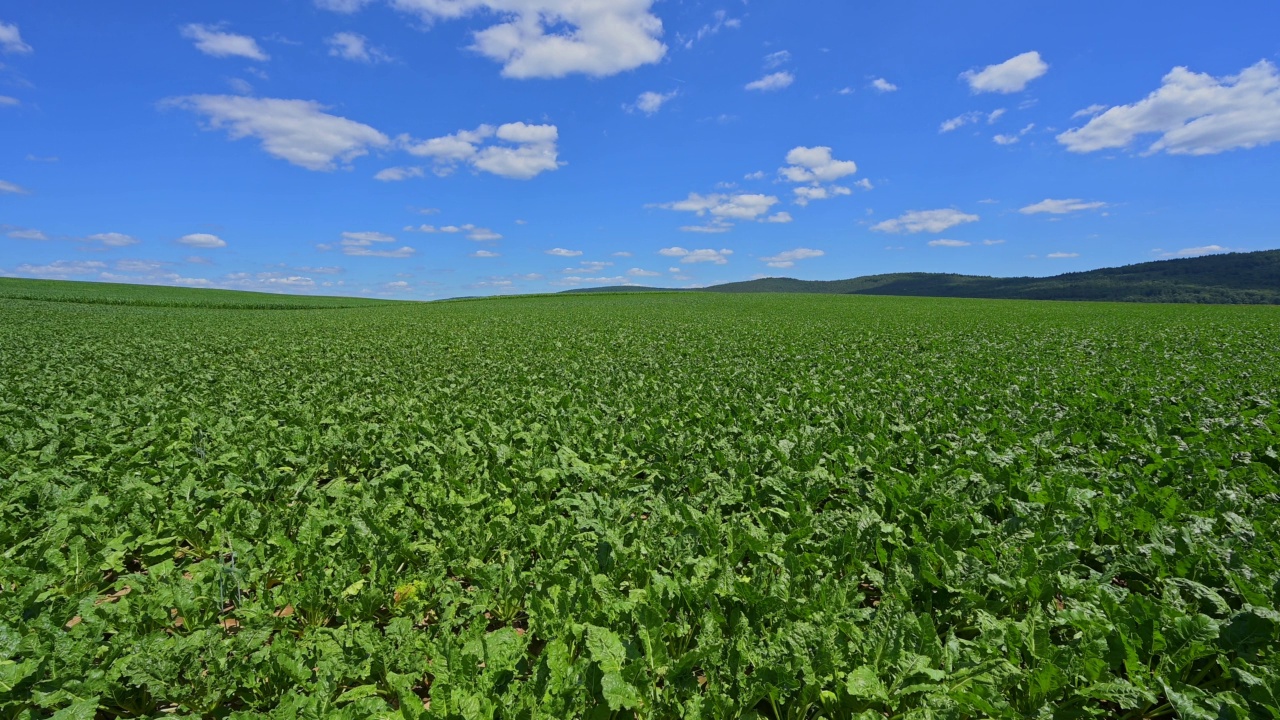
637	506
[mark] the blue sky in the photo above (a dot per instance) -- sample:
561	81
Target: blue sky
439	148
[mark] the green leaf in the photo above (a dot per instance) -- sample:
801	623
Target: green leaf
619	693
866	684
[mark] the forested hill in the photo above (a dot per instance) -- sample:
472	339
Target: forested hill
1228	278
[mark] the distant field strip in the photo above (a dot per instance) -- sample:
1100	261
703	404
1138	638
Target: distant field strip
640	506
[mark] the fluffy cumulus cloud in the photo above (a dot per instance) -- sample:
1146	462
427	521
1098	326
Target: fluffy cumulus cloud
8	188
11	40
807	194
1192	113
930	221
948	243
790	257
772	81
202	240
355	47
562	252
641	272
650	102
514	150
113	239
484	254
1010	76
1062	255
884	86
555	38
1061	207
298	131
689	257
369	244
723	209
212	40
815	165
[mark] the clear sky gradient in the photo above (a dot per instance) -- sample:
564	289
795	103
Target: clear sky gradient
439	148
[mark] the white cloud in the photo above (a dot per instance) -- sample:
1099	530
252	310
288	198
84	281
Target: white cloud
708	229
11	40
587	267
1062	255
114	239
815	165
355	47
1196	251
1193	113
959	121
1061	207
364	239
948	243
1012	139
294	130
531	150
481	234
362	244
240	86
342	6
561	252
757	175
1010	76
775	81
7	101
651	102
484	254
202	240
721	20
473	232
1088	112
356	251
865	184
790	257
63	268
932	221
777	59
210	40
554	38
883	85
806	194
969	118
724	208
992	242
688	257
396	174
639	272
12	189
779	218
621	254
139	266
27	234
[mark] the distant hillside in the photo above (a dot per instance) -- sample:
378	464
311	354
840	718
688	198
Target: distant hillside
96	293
1252	278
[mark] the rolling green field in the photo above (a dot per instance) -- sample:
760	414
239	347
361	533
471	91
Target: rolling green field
638	506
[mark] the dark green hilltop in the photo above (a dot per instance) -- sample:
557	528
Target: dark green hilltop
1244	278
